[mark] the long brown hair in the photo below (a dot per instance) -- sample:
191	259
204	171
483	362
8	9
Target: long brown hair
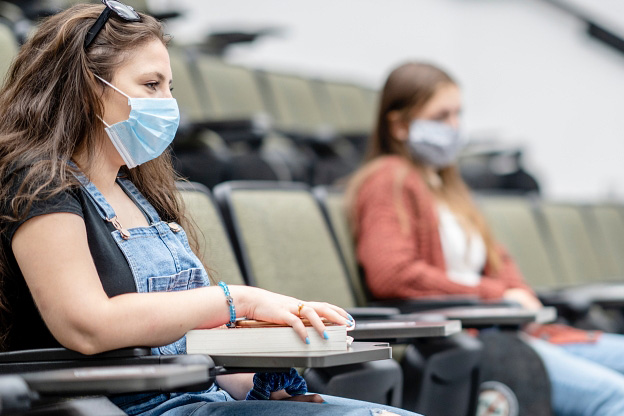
407	90
49	108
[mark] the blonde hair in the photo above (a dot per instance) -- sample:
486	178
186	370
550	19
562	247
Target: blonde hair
408	89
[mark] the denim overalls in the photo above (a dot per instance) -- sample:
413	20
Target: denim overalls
159	255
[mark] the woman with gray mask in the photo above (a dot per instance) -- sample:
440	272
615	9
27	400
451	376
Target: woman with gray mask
419	233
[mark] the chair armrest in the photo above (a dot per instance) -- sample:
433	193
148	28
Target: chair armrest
59	358
488	316
243	129
62	354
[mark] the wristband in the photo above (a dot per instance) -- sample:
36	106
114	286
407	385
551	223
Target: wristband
230	302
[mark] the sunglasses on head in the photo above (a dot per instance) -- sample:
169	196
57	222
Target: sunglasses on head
123	11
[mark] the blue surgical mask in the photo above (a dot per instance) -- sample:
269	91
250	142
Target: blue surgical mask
149	130
434	143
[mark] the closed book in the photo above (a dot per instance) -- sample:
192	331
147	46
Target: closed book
255	337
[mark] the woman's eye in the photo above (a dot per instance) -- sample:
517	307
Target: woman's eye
441	116
152	85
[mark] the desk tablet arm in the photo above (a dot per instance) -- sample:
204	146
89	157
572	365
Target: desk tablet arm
373	312
425	303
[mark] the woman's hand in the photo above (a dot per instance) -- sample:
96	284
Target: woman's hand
525	298
267	306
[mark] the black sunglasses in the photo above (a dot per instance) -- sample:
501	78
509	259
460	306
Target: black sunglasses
127	13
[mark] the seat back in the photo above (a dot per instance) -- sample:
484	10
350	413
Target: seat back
353	107
193	106
566	224
333	204
514	224
293	105
607	229
8	50
214	243
232	90
283	241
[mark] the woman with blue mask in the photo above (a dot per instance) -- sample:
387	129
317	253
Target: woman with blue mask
418	233
95	256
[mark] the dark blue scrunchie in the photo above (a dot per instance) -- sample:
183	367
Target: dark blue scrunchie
266	383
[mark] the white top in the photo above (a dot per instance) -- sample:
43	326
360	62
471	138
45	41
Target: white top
464	254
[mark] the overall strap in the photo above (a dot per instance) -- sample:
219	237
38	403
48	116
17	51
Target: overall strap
149	210
104	209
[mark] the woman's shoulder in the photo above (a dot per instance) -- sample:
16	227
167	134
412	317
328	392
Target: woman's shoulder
27	193
387	172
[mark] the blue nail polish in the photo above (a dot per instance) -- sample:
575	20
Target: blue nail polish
325	335
308	340
349	323
350	317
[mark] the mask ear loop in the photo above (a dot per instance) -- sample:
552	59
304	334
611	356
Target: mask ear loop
116	89
102	120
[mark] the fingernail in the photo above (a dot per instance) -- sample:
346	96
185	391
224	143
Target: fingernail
325	335
308	340
349	323
350	317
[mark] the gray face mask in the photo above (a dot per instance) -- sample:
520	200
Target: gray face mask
434	143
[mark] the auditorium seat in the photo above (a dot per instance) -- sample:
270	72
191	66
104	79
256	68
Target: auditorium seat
8	50
297	114
607	231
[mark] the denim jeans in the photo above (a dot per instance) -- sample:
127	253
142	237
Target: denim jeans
586	378
218	402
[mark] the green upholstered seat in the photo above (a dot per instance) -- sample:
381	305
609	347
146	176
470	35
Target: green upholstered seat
514	224
8	50
570	236
285	242
607	229
232	90
214	244
333	202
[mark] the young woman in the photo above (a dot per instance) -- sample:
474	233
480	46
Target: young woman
418	233
94	252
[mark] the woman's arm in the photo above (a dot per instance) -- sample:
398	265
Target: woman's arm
53	254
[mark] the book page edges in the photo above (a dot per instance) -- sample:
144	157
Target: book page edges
262	340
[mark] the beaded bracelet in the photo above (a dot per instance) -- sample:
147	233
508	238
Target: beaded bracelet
230	302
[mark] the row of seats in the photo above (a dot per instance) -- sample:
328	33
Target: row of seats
266	125
275	235
559	245
284	244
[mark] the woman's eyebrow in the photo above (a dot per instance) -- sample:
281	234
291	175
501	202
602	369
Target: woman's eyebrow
157	75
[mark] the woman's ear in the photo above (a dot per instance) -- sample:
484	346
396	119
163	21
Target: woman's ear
399	128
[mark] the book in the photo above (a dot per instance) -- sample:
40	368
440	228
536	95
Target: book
256	337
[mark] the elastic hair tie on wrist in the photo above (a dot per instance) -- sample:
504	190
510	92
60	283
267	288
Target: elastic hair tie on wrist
230	302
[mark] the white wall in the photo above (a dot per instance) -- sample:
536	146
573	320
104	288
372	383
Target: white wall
529	73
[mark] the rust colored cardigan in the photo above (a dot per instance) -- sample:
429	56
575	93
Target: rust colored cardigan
399	247
398	242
